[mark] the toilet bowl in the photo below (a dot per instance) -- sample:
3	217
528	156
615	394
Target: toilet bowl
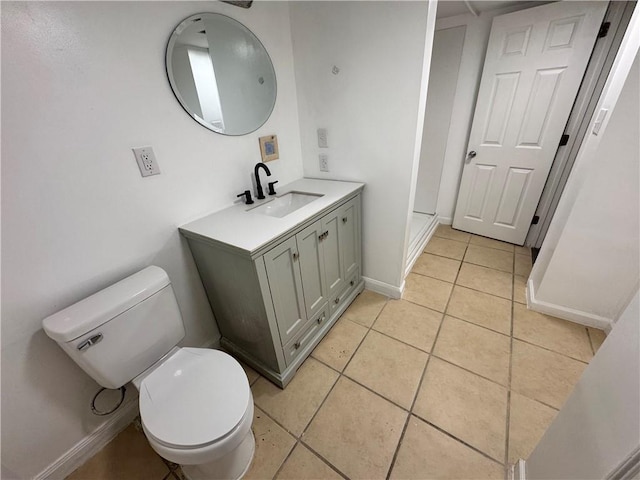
196	409
195	403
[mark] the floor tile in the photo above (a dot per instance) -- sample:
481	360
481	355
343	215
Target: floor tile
597	337
437	267
294	406
446	248
543	375
252	375
528	420
523	251
303	464
520	289
128	455
446	231
426	452
365	308
481	308
475	348
465	405
523	265
489	257
356	431
273	445
426	291
553	333
491	243
486	280
337	347
409	323
388	367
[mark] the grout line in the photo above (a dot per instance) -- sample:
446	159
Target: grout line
327	462
550	350
420	383
468	445
593	350
508	412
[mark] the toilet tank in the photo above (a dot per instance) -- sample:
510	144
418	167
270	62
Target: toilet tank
119	332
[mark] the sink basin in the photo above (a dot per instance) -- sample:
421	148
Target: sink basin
285	204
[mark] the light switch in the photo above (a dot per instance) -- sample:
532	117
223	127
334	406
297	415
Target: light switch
322	138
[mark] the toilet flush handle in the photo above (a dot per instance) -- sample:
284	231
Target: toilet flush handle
89	342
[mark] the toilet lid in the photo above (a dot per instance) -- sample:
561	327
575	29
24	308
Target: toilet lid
194	398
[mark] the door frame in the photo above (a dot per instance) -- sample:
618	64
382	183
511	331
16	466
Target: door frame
618	14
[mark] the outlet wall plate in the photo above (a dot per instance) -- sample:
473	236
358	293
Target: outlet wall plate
324	162
322	138
146	160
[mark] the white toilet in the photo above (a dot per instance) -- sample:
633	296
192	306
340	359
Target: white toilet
195	403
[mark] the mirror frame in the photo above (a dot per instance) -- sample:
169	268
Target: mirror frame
168	68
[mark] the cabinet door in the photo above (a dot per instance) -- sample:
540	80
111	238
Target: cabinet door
285	283
350	236
333	264
312	268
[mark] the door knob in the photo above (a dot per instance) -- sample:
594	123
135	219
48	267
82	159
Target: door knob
472	154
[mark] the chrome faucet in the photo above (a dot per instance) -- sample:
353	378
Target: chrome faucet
260	193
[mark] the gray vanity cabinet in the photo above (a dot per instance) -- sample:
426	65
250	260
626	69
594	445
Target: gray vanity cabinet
274	306
285	282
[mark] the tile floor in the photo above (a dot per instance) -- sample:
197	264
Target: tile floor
456	380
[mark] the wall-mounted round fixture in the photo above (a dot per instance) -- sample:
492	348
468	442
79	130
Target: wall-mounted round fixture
221	74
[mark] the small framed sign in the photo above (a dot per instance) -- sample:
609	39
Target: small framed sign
269	148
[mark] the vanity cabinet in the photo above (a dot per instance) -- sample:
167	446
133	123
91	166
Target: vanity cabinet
274	305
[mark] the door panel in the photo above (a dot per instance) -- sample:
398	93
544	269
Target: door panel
312	268
334	270
349	237
534	65
286	288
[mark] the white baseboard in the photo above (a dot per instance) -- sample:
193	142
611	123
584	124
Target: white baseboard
418	246
383	288
566	313
92	443
445	220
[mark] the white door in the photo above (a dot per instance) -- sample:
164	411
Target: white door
535	62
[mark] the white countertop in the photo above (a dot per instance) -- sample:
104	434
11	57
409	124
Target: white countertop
239	227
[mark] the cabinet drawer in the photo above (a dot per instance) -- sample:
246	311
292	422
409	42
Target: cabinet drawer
295	346
336	302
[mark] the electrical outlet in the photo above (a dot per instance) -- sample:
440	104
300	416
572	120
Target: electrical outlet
322	138
324	162
147	162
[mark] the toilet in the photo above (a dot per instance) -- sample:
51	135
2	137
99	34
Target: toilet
195	403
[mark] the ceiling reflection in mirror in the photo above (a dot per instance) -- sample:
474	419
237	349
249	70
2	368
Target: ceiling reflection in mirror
221	74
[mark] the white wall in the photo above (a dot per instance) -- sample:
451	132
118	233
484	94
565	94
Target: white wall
445	63
598	426
471	63
370	109
589	264
82	83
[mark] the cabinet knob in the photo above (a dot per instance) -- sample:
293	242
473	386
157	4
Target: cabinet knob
296	345
344	219
320	319
352	283
337	300
295	255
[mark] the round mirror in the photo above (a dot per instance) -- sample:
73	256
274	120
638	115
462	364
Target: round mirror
221	74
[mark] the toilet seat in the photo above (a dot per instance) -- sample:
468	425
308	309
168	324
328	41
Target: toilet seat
195	398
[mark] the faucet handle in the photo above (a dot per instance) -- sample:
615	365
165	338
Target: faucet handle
272	191
247	197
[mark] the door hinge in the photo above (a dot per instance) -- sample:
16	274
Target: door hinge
564	139
604	29
535	220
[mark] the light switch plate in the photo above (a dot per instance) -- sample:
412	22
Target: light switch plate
322	138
